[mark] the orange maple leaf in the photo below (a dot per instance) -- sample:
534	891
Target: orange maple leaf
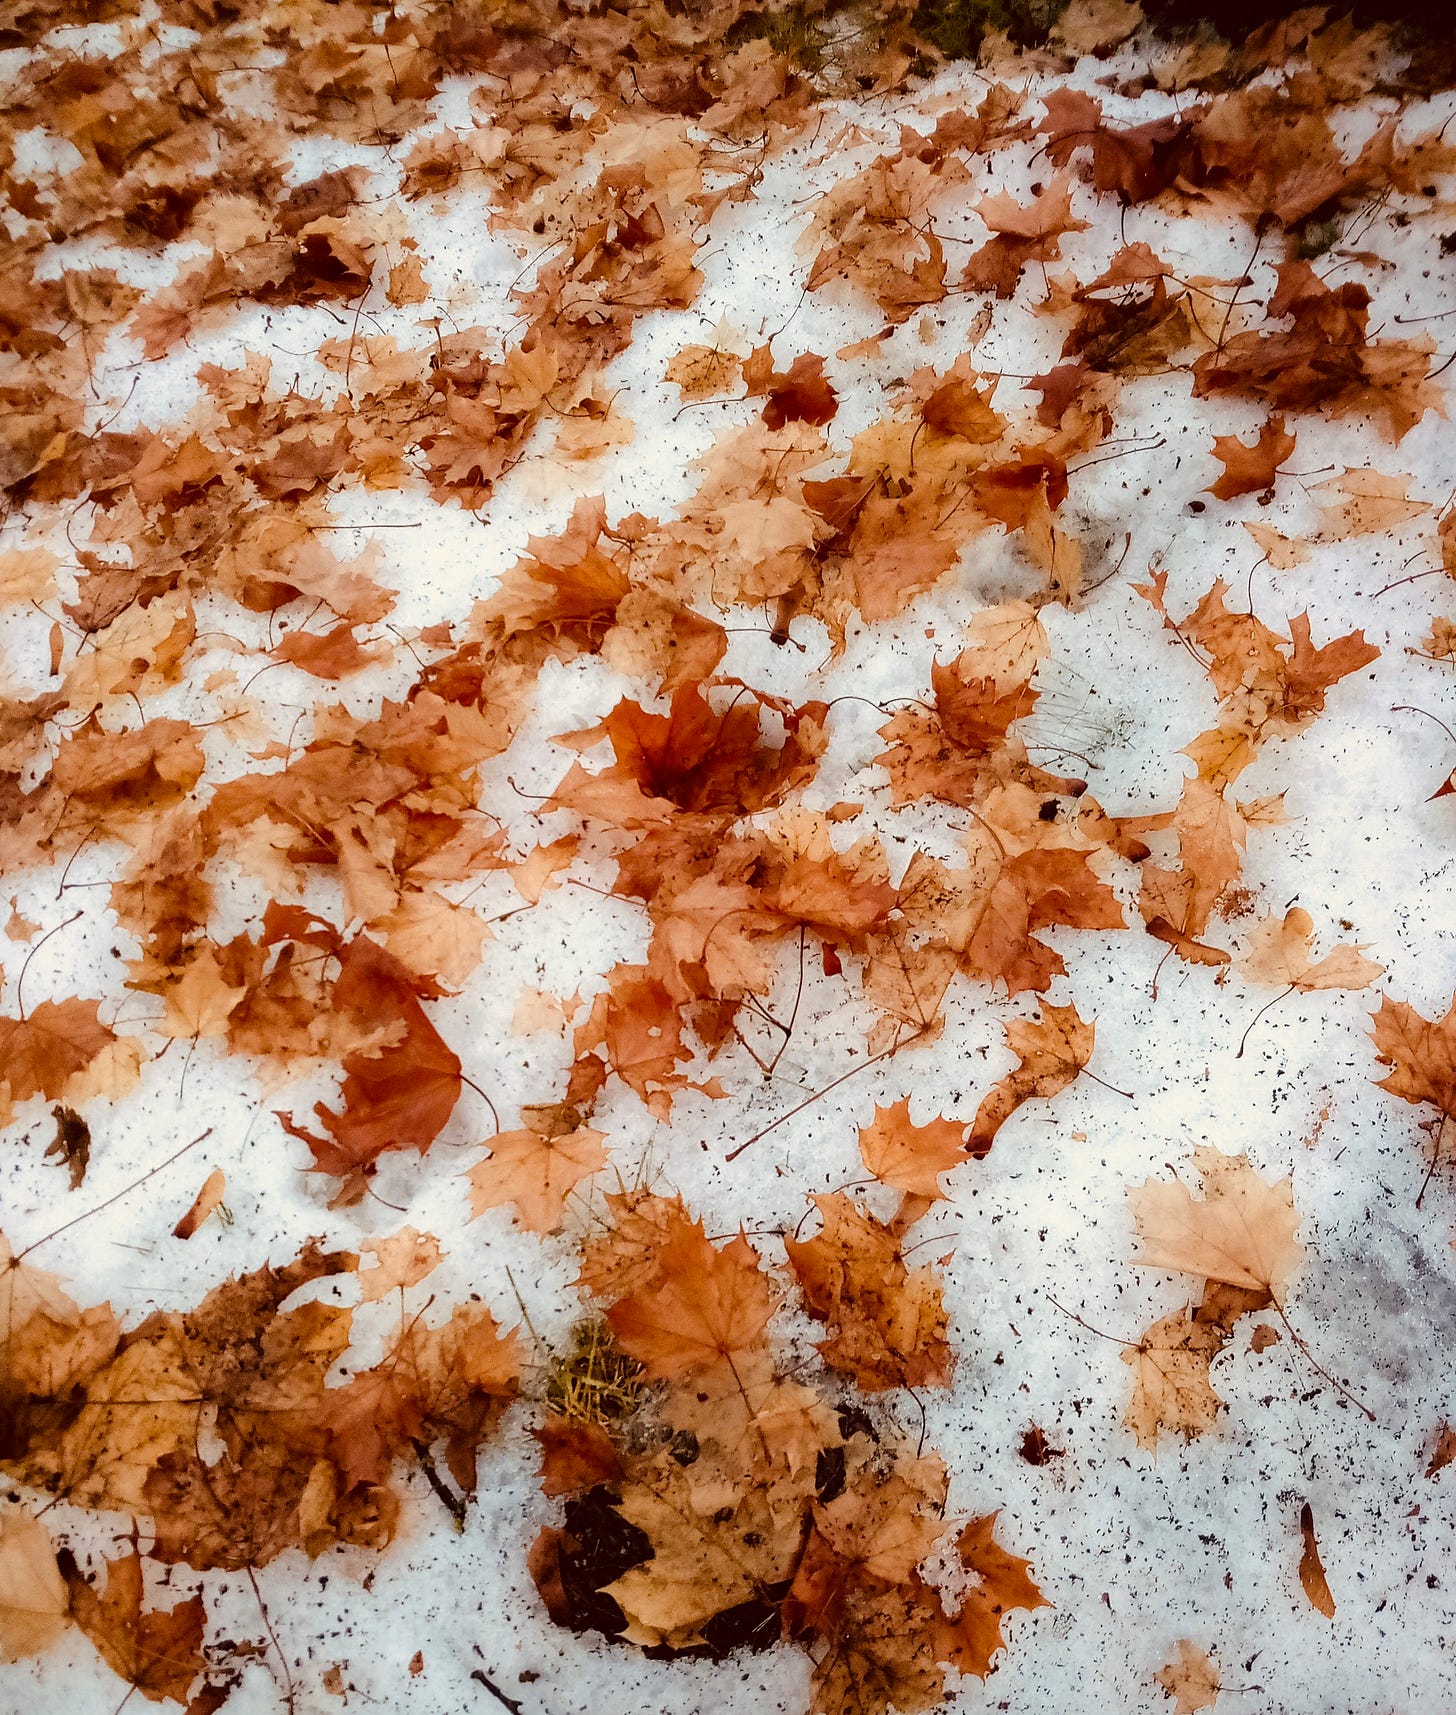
911	1157
47	1047
888	1323
1251	469
535	1173
157	1650
704	1303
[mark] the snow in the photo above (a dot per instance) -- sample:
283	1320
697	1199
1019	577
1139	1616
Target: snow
1133	1551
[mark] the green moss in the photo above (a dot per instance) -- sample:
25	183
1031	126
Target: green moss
1315	237
795	31
958	27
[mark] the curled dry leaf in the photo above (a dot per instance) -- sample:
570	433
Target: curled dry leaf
575	1456
535	1173
1281	951
214	1188
1240	1232
1052	1049
71	1144
1311	1567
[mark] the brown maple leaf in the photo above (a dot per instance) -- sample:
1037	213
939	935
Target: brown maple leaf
1251	470
397	1096
156	1650
972	1635
1281	952
1052	1049
42	1051
1191	1679
888	1324
799	394
1172	1392
1422	1055
1241	1232
575	1456
34	1600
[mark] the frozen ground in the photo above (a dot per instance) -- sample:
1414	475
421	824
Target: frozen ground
1132	1551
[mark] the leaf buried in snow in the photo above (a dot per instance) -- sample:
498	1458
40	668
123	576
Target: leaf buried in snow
1191	1679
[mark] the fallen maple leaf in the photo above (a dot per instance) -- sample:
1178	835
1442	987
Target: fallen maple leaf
703	1304
157	1650
199	1003
1250	470
1422	1053
1444	1450
575	1456
888	1323
1191	1679
400	1261
972	1635
911	1157
1281	952
535	1173
1052	1049
1172	1393
397	1096
1241	1231
54	1042
1372	502
33	1598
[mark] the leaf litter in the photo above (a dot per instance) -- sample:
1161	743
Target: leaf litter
737	713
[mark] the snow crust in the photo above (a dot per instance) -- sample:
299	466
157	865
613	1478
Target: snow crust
1132	1551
